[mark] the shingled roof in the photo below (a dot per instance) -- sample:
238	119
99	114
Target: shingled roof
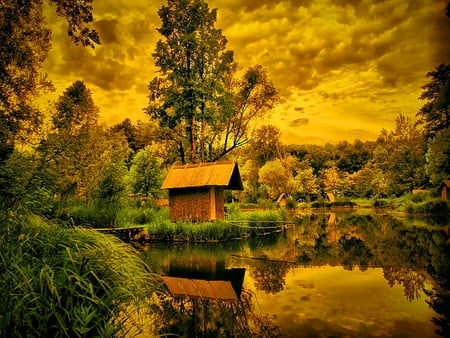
209	174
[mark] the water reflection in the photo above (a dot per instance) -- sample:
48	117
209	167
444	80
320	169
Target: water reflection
334	251
205	299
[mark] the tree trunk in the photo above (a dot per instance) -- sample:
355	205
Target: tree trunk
181	150
191	136
202	141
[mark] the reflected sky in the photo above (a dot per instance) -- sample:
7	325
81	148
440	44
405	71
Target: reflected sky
334	301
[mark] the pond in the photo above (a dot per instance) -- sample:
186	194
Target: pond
336	274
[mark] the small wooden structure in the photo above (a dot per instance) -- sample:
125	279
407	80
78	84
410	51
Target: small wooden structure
196	191
282	199
444	190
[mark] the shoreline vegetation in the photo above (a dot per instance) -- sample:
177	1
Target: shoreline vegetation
61	277
243	220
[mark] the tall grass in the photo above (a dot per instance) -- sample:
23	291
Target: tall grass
237	225
132	216
68	282
424	203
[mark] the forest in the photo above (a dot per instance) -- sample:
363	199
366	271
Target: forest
61	168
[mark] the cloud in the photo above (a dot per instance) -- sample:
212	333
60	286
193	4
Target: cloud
362	62
108	30
298	122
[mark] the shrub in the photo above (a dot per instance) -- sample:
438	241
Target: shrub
290	203
83	215
266	204
436	207
380	203
317	205
127	217
343	204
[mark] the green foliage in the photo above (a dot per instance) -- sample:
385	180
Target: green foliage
24	184
145	174
381	203
78	213
110	190
323	204
266	204
237	225
437	157
434	113
290	203
129	216
67	282
24	48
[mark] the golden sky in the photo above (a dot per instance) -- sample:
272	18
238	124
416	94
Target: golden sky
344	68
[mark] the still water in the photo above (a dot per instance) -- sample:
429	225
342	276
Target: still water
326	275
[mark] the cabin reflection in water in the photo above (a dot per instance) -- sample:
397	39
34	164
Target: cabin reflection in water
203	278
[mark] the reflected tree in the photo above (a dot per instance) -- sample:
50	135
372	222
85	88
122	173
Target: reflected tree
270	275
213	318
413	281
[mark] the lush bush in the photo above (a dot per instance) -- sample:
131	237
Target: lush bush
87	216
266	204
380	203
76	282
343	204
318	205
128	217
290	203
238	225
437	207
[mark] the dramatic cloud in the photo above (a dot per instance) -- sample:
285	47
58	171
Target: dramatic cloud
298	122
349	67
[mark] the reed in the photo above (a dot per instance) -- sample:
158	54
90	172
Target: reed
68	282
237	225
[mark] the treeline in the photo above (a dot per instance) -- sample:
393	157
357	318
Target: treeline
75	157
392	165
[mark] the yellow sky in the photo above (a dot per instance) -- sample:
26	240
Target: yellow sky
344	68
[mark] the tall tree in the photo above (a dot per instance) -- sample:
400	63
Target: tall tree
252	97
438	155
145	174
265	144
196	99
435	113
24	46
399	156
77	149
193	60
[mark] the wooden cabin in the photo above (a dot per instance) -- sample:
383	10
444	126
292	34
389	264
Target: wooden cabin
196	191
281	200
444	190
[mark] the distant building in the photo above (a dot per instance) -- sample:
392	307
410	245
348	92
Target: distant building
444	189
196	191
282	199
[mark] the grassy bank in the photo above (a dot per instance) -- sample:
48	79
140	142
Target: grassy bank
76	282
414	204
237	225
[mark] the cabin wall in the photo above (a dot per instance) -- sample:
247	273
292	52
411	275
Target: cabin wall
189	204
220	203
196	204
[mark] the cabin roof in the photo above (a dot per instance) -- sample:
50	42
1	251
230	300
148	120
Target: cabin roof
208	174
198	288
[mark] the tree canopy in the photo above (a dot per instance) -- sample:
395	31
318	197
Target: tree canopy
203	108
24	46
